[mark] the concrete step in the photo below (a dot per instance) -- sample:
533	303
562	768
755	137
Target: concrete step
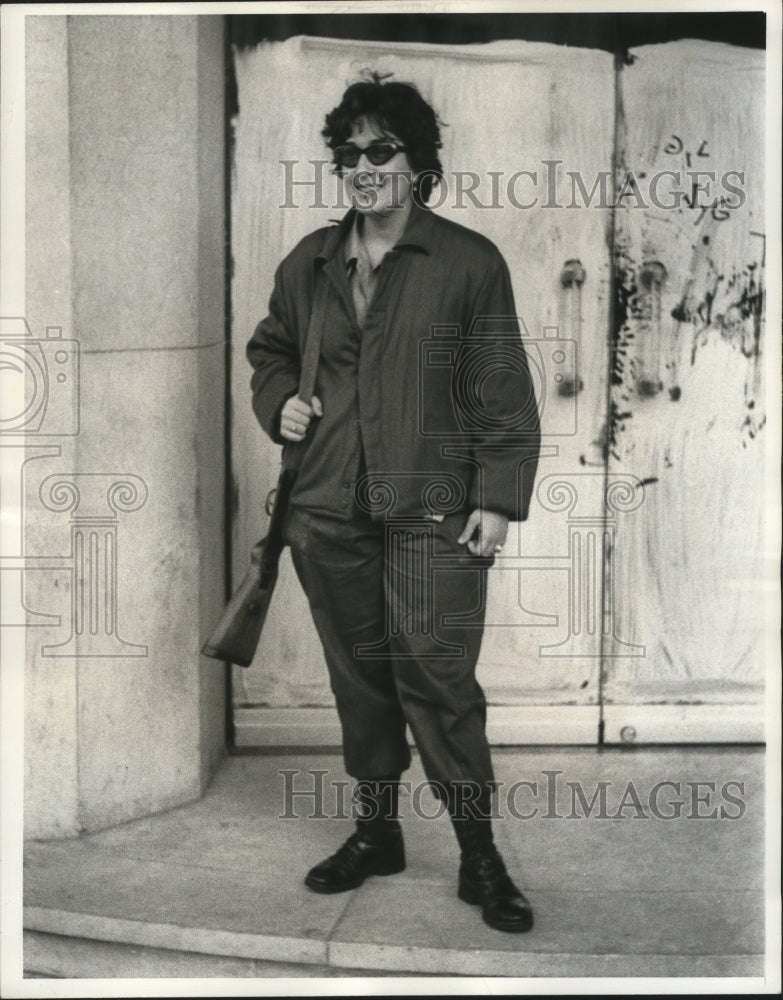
95	955
57	956
218	885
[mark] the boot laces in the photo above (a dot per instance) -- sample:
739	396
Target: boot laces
488	868
352	847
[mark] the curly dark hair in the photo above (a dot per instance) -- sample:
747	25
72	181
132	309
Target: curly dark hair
400	109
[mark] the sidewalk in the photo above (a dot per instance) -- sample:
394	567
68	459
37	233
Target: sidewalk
215	888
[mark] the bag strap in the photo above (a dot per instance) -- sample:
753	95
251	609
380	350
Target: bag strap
293	453
312	348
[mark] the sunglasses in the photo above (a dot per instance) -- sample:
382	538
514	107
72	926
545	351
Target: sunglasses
377	153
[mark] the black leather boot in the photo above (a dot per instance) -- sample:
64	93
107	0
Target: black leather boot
483	879
376	848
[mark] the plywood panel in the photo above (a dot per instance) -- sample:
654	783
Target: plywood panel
687	397
637	725
536	725
508	107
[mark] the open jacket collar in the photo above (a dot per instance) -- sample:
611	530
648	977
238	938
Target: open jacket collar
418	232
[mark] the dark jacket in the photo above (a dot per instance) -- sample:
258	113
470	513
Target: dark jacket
440	388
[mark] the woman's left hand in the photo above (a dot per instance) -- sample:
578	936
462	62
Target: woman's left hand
490	530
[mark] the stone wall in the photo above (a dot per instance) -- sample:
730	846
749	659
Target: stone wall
124	484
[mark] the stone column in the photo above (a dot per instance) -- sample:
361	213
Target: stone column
126	251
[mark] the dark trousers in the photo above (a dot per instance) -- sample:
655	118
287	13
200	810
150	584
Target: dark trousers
399	608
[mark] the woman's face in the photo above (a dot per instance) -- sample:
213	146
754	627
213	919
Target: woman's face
376	188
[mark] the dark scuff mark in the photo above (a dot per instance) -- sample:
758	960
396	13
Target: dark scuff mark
731	306
570	387
649	388
626	314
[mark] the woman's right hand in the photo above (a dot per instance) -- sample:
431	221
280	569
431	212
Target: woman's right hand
296	415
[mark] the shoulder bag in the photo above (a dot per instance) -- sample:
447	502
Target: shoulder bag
235	637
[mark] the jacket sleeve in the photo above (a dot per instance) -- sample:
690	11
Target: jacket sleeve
497	395
273	352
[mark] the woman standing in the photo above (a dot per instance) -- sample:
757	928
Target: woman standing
421	443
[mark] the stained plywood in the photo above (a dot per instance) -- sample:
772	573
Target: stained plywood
687	393
508	107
